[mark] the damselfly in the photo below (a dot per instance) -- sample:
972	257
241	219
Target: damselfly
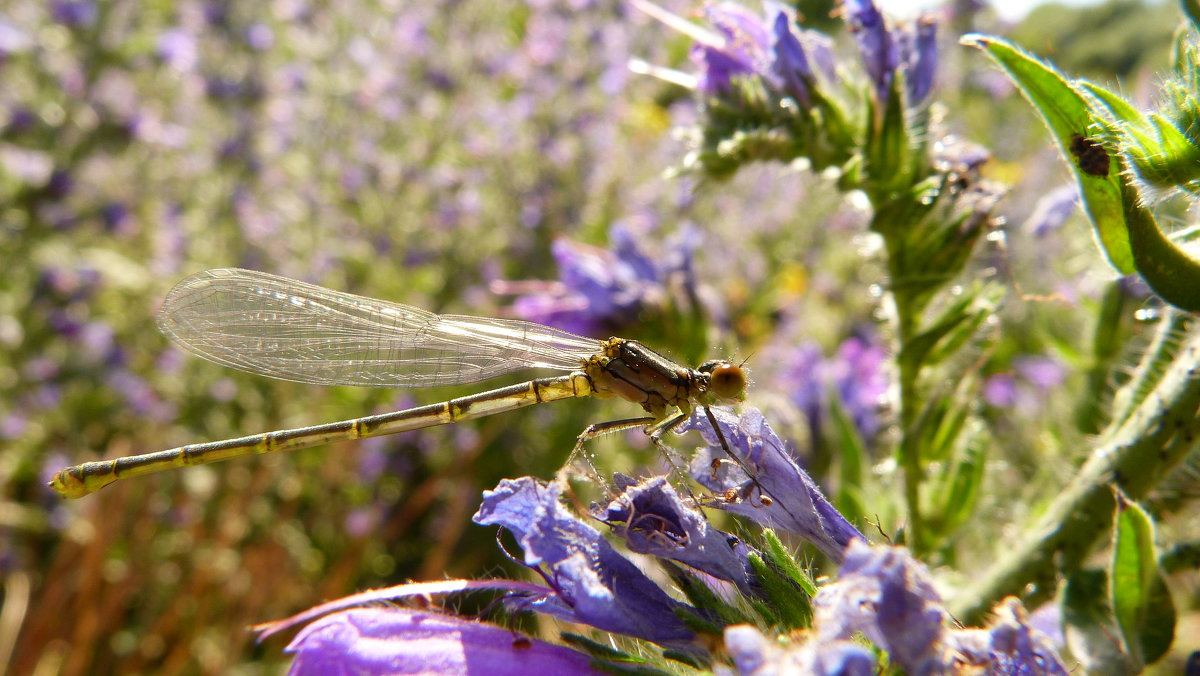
290	330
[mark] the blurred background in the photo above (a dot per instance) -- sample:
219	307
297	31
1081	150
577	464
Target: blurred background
475	157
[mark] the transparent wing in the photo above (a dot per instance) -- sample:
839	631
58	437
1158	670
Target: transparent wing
290	330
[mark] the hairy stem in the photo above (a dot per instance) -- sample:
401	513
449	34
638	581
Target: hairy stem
1134	453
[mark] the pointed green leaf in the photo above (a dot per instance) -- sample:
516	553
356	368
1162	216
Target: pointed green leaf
778	555
1140	601
1067	116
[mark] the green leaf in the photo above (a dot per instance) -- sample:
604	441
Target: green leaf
787	600
959	493
778	555
1067	116
1168	269
1140	600
851	456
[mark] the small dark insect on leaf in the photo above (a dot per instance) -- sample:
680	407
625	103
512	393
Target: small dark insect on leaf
1091	157
522	643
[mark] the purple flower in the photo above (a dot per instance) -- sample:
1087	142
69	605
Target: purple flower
878	47
1052	210
777	494
652	519
747	44
74	13
594	584
755	655
920	59
888	596
1000	390
260	37
1010	646
1044	373
954	154
855	375
790	63
599	291
369	641
117	219
177	48
1034	379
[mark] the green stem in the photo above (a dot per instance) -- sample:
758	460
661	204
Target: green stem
1134	454
909	451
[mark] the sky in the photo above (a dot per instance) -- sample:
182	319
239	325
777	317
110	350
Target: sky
1008	9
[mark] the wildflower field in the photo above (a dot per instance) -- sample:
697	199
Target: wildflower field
920	390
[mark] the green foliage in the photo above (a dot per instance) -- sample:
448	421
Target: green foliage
1120	39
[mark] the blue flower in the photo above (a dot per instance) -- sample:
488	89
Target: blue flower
777	493
1010	645
595	585
884	50
790	64
855	374
599	291
880	53
368	641
653	520
1052	210
755	655
888	596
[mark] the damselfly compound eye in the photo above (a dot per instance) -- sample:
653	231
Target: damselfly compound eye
727	381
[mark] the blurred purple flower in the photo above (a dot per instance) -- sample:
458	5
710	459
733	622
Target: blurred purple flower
920	58
954	154
790	64
140	397
755	655
595	585
855	375
74	13
177	48
746	43
599	291
653	520
117	219
370	641
1044	373
878	47
12	40
260	37
13	425
1052	210
97	340
1010	646
778	494
1034	377
1000	390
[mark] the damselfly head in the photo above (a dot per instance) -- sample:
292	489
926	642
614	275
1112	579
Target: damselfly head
725	380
